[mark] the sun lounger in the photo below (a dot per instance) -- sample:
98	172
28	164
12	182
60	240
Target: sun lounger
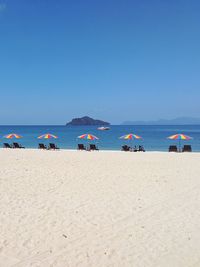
93	147
53	146
187	148
131	149
173	149
42	146
141	149
126	148
6	145
17	145
81	147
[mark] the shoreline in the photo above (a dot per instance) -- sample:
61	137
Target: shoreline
100	151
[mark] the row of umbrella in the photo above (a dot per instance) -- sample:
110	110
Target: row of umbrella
49	136
44	136
93	137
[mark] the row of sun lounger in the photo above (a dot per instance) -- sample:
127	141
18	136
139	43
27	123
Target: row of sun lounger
80	147
133	149
14	145
91	147
52	146
186	148
40	146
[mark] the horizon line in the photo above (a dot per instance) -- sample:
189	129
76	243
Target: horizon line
187	124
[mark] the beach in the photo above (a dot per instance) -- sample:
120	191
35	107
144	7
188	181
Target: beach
99	209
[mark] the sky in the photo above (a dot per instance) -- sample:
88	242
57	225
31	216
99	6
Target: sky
115	60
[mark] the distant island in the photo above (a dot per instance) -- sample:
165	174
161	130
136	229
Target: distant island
177	121
87	121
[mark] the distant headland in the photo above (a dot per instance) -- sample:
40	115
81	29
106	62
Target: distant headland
86	121
177	121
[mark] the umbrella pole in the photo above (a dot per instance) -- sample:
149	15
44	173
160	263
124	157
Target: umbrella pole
179	145
88	145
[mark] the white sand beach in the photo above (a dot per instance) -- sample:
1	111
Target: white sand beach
99	209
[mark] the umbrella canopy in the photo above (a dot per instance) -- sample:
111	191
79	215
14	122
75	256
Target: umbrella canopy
130	136
179	137
47	136
88	137
12	135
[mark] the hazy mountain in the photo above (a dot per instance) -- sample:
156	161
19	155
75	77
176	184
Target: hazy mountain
176	121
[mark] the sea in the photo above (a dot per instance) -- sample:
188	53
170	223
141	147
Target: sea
154	137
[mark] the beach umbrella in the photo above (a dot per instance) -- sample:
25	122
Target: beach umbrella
88	137
179	137
130	137
12	135
47	136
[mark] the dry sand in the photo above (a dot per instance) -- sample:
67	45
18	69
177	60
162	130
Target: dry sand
99	209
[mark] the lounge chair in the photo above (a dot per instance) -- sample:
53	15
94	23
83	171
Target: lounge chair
187	148
141	149
17	145
126	148
173	149
93	147
6	145
81	147
131	149
134	149
53	146
42	146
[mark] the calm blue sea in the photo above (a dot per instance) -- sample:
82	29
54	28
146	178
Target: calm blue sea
154	137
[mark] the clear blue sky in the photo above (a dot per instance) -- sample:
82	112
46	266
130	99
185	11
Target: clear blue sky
111	59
